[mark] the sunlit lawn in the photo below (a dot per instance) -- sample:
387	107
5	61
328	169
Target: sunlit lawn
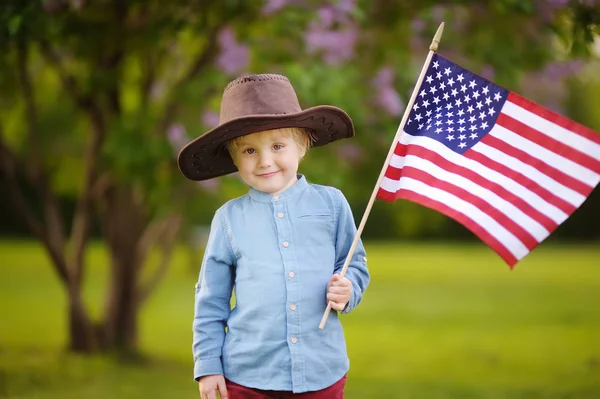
437	322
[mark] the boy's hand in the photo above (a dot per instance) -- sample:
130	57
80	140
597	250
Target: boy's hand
339	291
210	384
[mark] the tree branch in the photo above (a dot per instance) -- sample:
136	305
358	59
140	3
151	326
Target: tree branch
202	61
8	168
165	234
52	213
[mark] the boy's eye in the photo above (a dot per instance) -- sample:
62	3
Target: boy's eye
277	146
249	151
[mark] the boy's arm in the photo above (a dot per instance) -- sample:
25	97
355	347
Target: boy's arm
357	272
212	301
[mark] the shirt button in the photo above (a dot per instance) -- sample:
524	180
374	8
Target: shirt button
293	307
276	198
291	274
280	215
286	244
294	340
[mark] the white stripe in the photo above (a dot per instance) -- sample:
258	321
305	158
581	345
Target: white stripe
573	169
534	228
505	237
545	181
534	200
552	130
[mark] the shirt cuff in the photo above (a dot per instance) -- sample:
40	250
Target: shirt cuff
208	366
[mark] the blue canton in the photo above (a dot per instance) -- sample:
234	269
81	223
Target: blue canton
454	106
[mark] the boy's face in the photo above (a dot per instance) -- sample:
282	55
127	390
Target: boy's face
268	161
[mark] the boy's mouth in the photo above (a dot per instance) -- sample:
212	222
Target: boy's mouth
267	175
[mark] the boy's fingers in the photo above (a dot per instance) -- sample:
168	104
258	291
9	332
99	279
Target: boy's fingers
338	290
222	388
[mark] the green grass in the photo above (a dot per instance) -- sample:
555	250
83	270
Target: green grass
437	322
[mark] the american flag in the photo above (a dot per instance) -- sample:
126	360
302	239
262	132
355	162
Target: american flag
509	170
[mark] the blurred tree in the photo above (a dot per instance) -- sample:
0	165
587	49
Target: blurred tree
98	97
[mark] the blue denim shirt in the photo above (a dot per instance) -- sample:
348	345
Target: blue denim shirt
277	253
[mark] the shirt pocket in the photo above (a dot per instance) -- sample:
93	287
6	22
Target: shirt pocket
315	228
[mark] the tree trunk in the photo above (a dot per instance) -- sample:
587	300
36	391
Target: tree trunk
124	224
82	335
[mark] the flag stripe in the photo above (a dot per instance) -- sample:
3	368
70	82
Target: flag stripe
477	191
540	224
577	136
521	196
544	155
518	171
551	178
556	146
483	235
498	209
477	221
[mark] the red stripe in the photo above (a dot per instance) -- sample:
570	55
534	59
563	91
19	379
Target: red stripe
523	180
483	235
502	192
517	230
555	174
549	143
554	117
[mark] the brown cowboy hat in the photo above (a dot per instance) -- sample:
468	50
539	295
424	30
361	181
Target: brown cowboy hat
252	104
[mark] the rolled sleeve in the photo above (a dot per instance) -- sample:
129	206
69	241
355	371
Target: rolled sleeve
212	301
357	272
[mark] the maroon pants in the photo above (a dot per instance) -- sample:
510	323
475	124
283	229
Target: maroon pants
236	391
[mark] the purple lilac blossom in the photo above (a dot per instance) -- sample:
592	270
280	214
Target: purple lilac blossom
177	136
234	56
210	119
385	95
272	6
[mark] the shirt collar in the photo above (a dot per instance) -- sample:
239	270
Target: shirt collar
296	188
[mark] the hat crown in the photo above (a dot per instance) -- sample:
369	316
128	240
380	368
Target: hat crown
262	94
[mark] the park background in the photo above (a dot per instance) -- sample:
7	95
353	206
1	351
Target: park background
101	237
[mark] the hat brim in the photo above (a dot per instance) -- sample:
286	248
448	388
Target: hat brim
207	157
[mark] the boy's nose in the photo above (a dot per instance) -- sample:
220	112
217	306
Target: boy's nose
265	160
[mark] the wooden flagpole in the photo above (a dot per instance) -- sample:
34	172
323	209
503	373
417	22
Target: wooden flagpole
432	49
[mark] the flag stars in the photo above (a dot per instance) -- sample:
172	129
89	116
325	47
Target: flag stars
460	112
449	106
482	115
488	101
497	96
491	111
446	96
450	137
462	137
416	106
476	95
432	89
458	103
462	129
463	88
428	113
447	71
472	84
473	128
479	105
450	82
429	79
436	64
473	136
472	119
484	125
461	121
438	130
450	129
485	90
436	100
462	144
460	78
454	92
418	117
470	109
442	86
438	75
467	99
426	103
421	126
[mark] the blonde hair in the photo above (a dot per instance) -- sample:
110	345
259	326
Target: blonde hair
301	137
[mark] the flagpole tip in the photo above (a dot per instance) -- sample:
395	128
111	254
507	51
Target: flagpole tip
436	39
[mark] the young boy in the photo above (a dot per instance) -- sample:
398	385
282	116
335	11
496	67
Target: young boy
280	248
